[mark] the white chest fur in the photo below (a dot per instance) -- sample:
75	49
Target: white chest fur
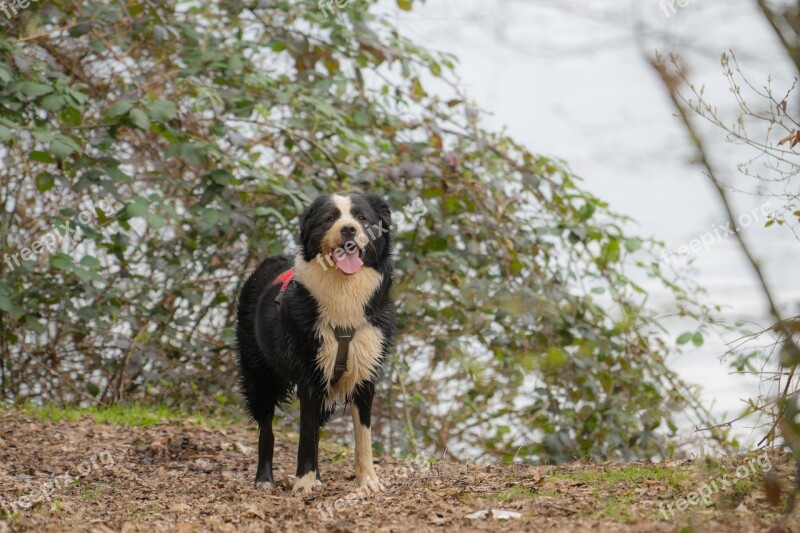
342	300
362	360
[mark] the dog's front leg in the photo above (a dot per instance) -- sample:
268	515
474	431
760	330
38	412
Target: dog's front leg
361	410
307	477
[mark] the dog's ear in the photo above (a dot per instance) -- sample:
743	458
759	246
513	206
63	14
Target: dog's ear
381	208
304	226
305	223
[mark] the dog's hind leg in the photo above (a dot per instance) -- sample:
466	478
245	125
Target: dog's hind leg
307	477
266	445
361	410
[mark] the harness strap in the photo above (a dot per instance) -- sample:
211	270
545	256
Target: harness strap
284	278
343	337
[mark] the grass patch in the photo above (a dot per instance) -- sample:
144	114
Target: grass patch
120	415
515	493
617	510
143	513
90	493
625	474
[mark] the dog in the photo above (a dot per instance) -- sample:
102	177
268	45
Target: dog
322	323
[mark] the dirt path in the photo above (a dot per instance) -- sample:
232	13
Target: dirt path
187	476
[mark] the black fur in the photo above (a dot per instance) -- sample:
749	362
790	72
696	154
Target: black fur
277	344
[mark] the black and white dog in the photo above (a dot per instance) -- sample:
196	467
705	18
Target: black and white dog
322	322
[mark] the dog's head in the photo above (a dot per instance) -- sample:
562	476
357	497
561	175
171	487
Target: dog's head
346	232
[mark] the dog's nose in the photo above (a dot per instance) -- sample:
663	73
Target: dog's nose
348	231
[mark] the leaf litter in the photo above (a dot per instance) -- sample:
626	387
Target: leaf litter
187	477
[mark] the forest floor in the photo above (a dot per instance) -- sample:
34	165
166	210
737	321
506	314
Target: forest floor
138	470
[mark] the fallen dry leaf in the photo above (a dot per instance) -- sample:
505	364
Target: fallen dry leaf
173	477
793	138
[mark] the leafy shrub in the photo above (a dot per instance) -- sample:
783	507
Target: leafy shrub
204	128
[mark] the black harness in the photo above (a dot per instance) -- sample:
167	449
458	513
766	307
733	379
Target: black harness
343	335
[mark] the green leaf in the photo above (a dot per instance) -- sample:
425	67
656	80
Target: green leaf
210	216
32	88
697	339
45	181
62	261
82	274
138	207
633	244
5	133
155	221
139	119
61	146
361	118
5	304
41	157
117	175
33	323
436	244
610	251
53	102
588	210
90	261
119	108
161	110
221	176
685	337
405	5
6	73
72	116
264	211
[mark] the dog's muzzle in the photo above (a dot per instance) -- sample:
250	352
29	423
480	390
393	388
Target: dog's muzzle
348	256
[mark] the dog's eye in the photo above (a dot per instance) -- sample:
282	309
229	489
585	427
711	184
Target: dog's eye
362	218
331	219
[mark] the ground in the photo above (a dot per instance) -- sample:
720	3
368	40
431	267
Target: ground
143	470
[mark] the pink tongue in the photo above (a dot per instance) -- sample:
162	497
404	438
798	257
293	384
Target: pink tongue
349	264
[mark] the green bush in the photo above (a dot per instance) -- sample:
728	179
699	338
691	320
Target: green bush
178	143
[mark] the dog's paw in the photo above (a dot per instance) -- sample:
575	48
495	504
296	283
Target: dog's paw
370	484
264	485
307	483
